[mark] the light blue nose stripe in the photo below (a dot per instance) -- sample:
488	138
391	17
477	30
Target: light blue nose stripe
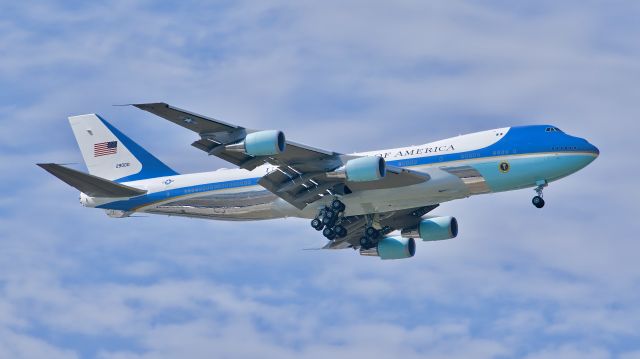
524	171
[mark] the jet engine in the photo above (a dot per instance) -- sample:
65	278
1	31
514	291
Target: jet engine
433	229
261	143
392	248
365	169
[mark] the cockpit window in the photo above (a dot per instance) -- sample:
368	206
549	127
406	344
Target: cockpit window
552	129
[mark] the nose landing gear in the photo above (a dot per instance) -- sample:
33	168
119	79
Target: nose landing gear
537	201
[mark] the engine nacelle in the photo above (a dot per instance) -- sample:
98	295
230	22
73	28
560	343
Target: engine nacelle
261	143
392	248
433	229
365	169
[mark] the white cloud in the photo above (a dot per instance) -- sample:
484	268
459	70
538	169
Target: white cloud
558	282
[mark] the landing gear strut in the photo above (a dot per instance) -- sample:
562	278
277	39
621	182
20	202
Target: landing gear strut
329	220
537	200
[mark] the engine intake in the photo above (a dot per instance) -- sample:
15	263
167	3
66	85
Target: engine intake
261	143
433	229
365	169
392	248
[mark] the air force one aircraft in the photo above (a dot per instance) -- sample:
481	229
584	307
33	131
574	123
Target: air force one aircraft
356	200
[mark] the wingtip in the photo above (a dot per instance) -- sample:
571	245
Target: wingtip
51	164
142	106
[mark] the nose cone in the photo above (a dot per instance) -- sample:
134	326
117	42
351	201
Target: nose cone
593	149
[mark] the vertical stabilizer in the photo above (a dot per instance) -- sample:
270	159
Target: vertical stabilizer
110	154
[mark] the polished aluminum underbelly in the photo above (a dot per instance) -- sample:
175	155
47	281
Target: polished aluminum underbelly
241	206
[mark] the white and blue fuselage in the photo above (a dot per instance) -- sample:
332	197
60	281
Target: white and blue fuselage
484	162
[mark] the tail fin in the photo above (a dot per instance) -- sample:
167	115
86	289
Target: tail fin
110	154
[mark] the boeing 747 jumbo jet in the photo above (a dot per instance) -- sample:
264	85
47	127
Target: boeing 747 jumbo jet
356	200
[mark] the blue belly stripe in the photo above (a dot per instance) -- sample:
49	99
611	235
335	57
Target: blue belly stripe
147	199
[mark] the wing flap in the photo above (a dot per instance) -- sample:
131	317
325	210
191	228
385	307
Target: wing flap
396	177
91	185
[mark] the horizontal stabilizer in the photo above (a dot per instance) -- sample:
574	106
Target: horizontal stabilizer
91	185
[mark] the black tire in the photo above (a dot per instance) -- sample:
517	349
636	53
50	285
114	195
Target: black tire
328	213
372	232
329	233
337	205
329	222
340	231
538	201
367	243
316	224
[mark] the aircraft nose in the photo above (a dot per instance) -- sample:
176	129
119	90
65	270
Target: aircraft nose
593	149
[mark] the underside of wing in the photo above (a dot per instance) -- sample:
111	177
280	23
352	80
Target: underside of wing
302	174
301	188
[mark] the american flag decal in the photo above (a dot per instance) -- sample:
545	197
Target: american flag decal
105	148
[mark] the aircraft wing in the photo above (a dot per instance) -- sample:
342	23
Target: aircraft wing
303	173
215	134
390	221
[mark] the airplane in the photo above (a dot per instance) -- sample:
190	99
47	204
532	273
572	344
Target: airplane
356	200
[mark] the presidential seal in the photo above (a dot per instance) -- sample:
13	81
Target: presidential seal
504	167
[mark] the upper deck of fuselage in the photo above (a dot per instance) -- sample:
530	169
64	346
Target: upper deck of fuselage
516	140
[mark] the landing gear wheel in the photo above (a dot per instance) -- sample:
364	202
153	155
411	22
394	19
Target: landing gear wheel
340	231
329	218
317	224
372	232
337	205
367	243
538	201
329	222
329	233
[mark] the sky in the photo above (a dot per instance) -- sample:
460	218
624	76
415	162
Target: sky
518	282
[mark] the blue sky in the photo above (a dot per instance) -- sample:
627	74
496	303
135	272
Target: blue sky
349	76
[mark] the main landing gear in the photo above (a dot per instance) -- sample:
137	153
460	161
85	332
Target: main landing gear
370	238
537	200
329	220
